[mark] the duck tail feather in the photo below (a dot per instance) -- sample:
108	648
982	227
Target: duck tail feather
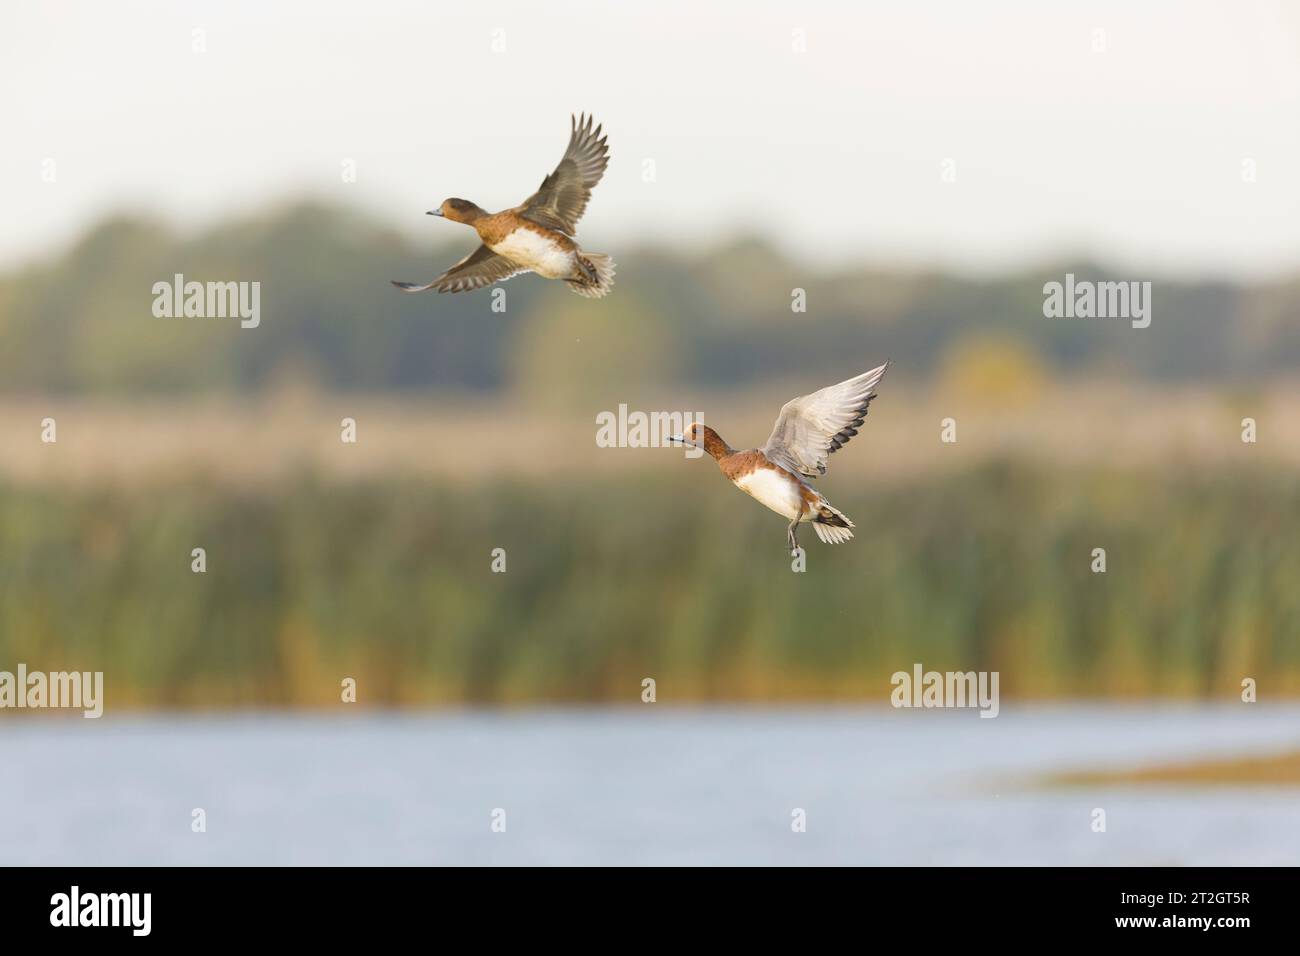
603	266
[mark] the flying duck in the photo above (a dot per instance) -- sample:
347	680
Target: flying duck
808	430
536	236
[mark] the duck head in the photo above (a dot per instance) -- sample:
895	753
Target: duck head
458	210
699	435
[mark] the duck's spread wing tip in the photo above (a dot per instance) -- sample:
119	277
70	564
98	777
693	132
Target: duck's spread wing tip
413	286
812	427
562	198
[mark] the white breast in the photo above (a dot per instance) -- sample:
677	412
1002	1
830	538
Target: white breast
539	253
773	490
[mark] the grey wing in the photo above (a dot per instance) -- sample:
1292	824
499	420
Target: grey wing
562	198
813	426
480	268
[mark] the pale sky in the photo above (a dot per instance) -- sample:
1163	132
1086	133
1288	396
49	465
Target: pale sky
1134	155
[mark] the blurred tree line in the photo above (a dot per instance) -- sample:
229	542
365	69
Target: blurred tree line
82	322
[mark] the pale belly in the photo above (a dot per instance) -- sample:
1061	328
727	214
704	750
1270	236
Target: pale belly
774	490
539	253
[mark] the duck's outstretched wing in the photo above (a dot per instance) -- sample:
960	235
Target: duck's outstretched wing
562	198
813	426
481	267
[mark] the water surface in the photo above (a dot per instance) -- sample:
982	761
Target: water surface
651	785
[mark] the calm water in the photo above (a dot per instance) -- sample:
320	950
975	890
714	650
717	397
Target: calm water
644	786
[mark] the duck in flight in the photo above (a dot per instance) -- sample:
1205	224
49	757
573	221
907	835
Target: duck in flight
808	430
536	236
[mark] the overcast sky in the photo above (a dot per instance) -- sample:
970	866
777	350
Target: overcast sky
1138	154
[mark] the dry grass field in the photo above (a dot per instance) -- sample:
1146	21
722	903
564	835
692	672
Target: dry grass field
467	437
